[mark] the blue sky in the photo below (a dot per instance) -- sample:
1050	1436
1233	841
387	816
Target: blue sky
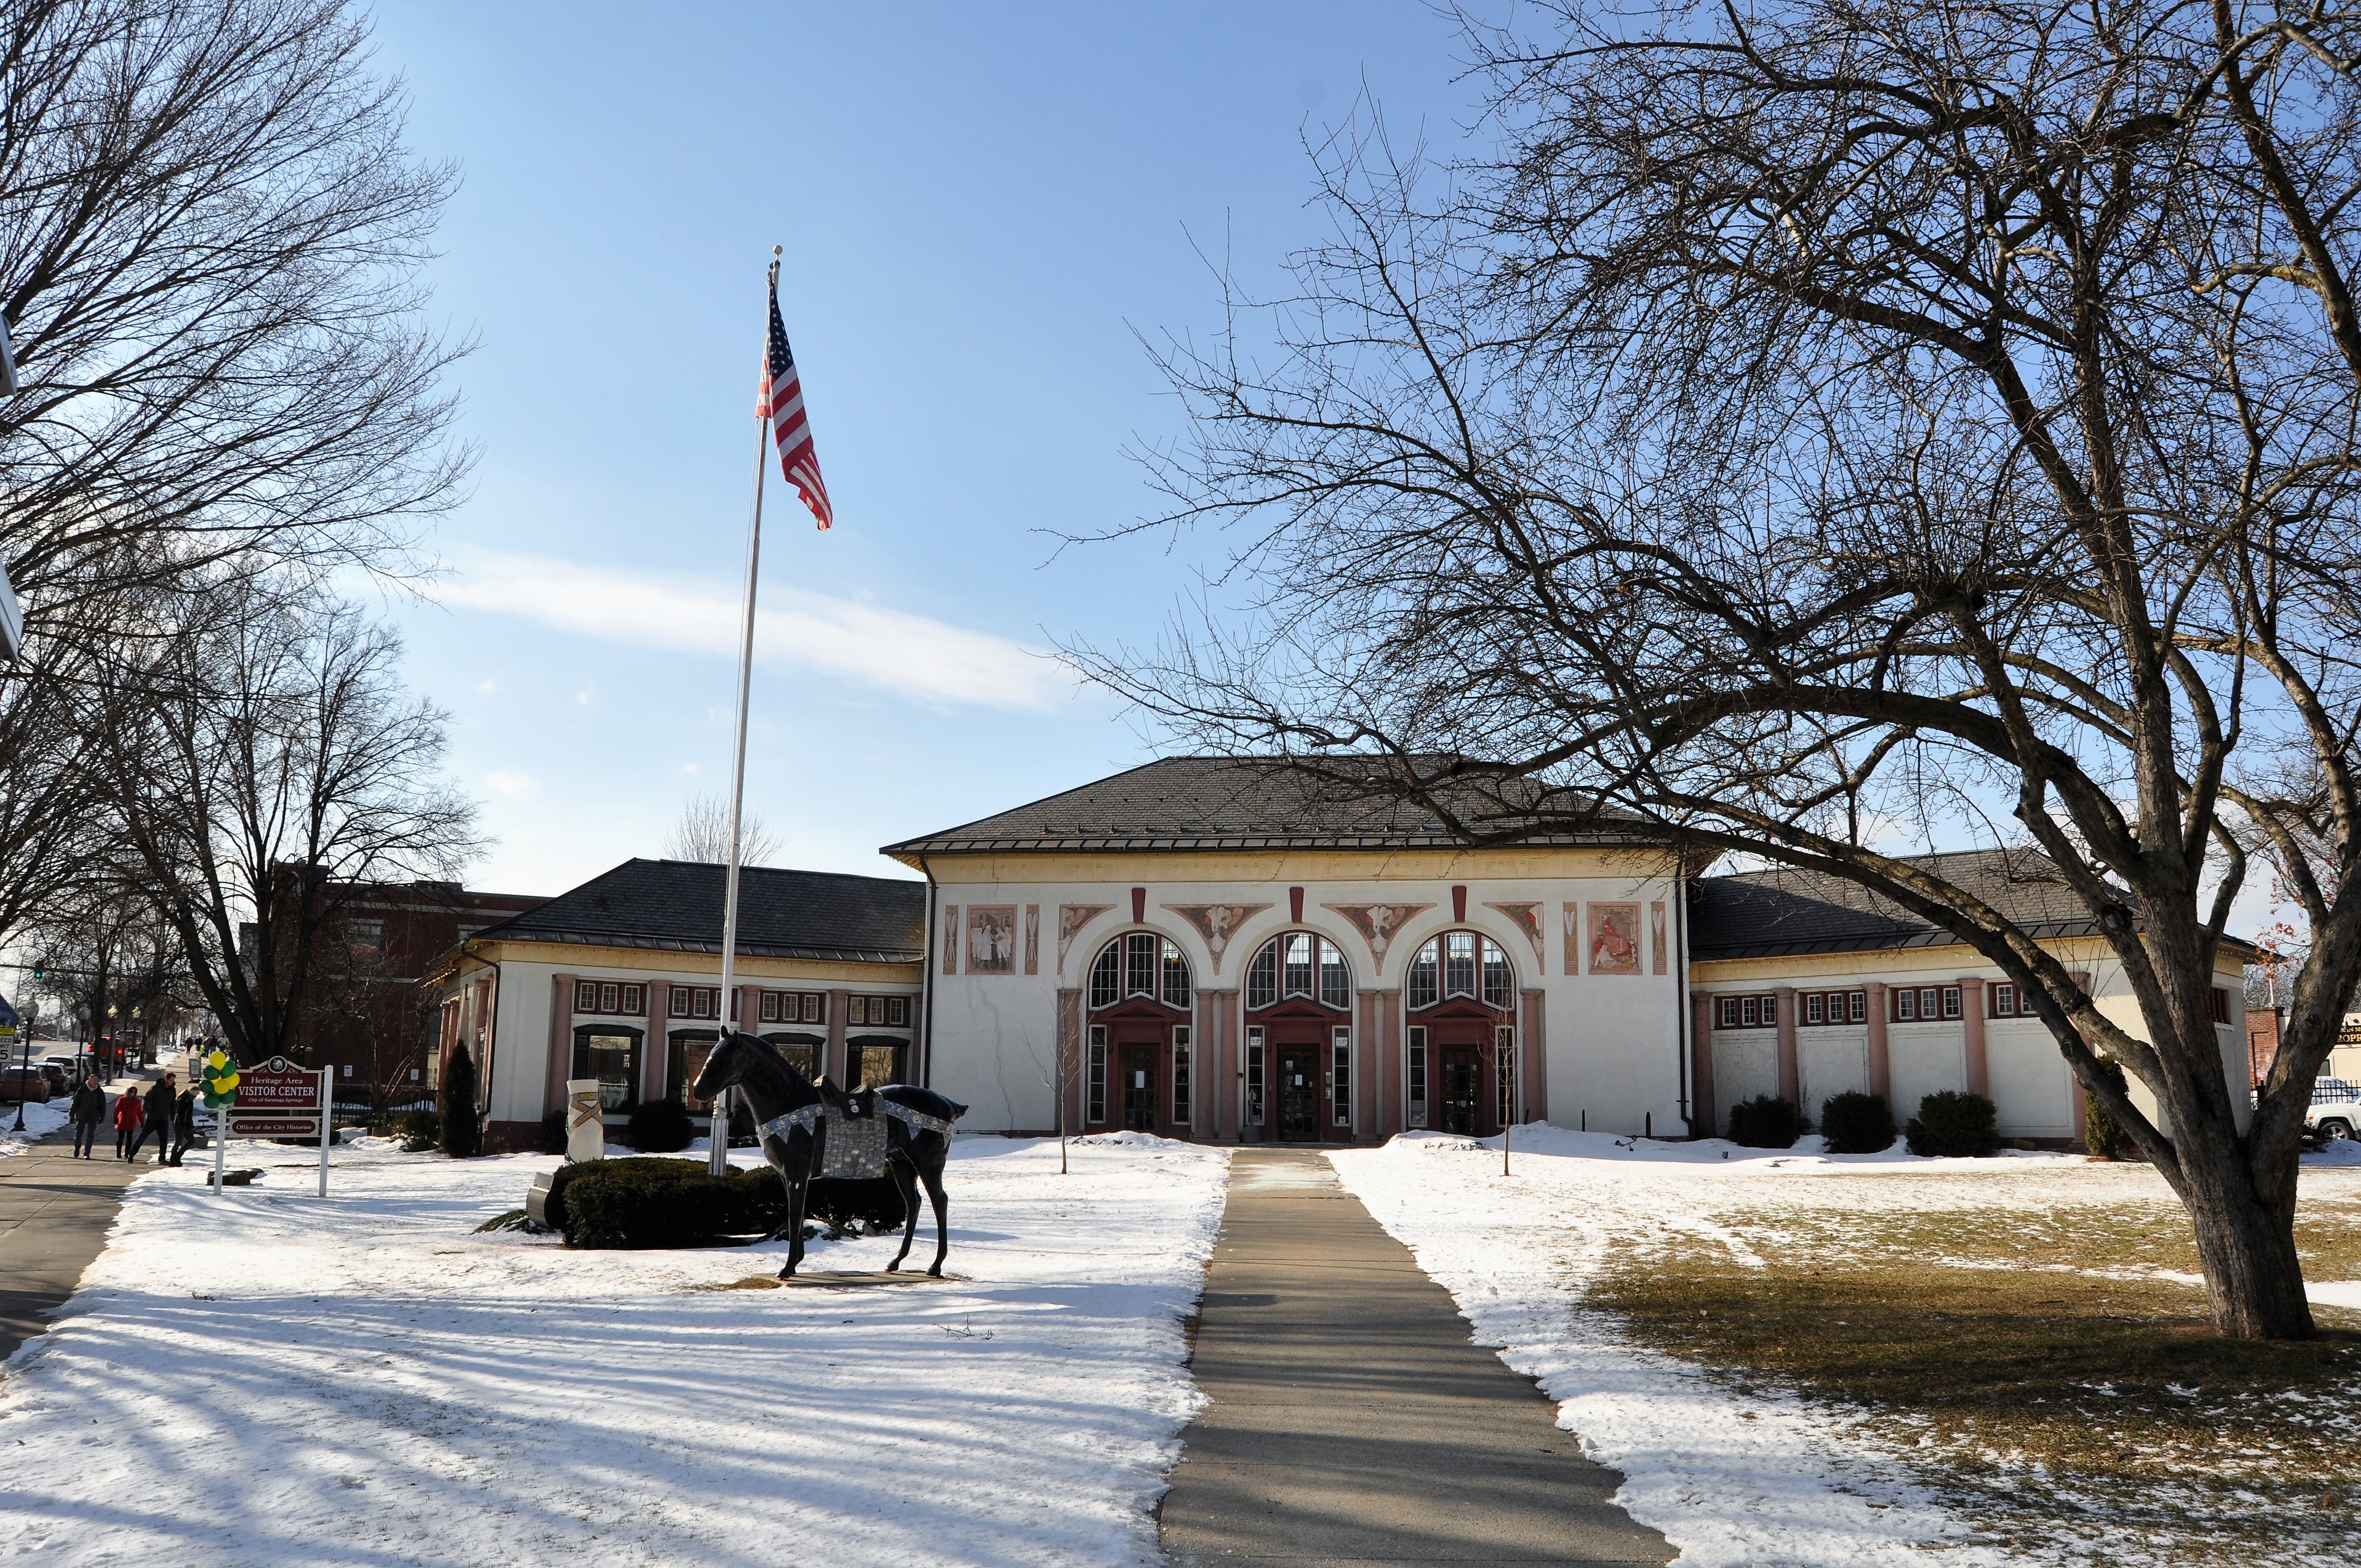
979	206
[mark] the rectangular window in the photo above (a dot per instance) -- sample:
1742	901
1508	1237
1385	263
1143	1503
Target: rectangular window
1950	1001
1179	1075
1342	1055
678	1005
1860	1005
897	1012
1728	1007
635	999
364	941
610	998
585	996
1905	1006
1094	1105
815	1008
2004	1001
1815	1008
860	1014
2221	1006
770	1007
1750	1012
1418	1076
1928	1001
1254	1077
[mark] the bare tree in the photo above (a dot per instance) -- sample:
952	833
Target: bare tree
267	764
1843	417
703	834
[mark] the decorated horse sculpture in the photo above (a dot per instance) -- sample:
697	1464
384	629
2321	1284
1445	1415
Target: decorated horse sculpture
816	1129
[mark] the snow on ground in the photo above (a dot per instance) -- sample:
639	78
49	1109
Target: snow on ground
263	1379
1732	1479
38	1119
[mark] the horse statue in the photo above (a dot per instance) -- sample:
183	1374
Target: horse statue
816	1129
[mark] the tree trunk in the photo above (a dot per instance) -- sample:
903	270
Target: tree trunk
2245	1243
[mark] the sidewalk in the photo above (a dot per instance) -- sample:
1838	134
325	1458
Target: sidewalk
55	1211
1353	1419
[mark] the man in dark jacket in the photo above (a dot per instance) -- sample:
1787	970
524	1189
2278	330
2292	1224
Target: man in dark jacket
89	1109
159	1108
185	1122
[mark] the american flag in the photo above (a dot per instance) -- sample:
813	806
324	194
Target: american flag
782	404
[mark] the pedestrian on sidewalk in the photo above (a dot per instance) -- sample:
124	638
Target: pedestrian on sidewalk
157	1118
129	1115
185	1122
89	1109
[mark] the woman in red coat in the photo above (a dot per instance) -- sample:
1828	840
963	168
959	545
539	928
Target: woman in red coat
129	1117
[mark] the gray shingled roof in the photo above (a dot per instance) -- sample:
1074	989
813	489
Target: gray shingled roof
676	906
1226	803
1787	910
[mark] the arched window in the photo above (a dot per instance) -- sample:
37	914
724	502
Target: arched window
1298	963
1462	963
1140	963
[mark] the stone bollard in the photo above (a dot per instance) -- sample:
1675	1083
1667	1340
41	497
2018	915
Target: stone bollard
586	1130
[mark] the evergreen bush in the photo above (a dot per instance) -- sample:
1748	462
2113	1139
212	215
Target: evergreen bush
419	1131
2101	1135
463	1130
659	1127
1767	1121
551	1138
1854	1123
661	1203
1951	1123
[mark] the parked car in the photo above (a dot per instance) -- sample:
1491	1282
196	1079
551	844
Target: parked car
60	1083
28	1084
2335	1110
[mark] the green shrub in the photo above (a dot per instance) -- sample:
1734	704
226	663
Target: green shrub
659	1202
463	1129
419	1131
552	1137
1950	1123
658	1126
1854	1123
2101	1135
1767	1121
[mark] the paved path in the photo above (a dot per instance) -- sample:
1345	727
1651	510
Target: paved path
1353	1419
54	1214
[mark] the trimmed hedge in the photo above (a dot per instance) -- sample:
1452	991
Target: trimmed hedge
2101	1135
551	1139
1767	1121
1950	1123
1854	1123
659	1202
659	1127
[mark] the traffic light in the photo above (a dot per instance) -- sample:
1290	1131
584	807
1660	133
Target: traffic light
37	969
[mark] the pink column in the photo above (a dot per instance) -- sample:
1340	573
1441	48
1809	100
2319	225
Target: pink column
1532	1060
1791	1077
561	1039
1368	1050
1971	1013
1881	1063
1704	1114
831	1061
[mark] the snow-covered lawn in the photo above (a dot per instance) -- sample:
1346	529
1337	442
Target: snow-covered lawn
262	1378
1734	1470
39	1118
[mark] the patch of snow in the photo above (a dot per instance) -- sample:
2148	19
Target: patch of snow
39	1119
2335	1293
265	1378
2339	1153
1731	1478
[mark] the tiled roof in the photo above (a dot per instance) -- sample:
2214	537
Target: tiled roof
1227	803
1785	910
676	906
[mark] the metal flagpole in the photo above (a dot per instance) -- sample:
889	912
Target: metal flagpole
718	1155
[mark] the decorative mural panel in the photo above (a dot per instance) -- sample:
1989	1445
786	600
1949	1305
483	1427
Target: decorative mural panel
1572	916
1377	923
991	938
1216	923
1615	939
1071	918
1527	919
1657	934
950	938
1033	938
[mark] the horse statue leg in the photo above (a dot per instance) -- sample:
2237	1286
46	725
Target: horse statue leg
906	1180
929	1157
793	1166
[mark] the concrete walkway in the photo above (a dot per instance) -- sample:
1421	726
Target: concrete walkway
55	1211
1353	1419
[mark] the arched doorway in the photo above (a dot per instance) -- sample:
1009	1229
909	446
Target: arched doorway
1137	1055
1459	1001
1299	1038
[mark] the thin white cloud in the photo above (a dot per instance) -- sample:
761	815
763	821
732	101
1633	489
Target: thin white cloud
515	786
909	654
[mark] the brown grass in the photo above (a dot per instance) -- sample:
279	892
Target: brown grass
2035	1368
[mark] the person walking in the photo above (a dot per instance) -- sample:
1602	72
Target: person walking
185	1122
157	1118
88	1110
128	1114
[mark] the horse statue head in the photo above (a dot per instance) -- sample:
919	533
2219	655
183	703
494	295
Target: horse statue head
770	1080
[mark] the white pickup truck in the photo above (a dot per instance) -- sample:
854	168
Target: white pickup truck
2335	1108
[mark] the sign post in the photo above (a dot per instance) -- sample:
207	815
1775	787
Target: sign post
279	1099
